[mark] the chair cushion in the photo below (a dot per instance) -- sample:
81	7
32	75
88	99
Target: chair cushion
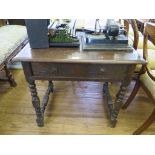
11	36
148	82
140	44
138	67
151	57
132	34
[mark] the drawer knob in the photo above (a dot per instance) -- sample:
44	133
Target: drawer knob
53	70
102	70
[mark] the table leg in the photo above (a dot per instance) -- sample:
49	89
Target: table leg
113	109
46	97
36	103
119	101
107	98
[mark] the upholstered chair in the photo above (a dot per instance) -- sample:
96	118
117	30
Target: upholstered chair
133	36
146	78
12	39
132	31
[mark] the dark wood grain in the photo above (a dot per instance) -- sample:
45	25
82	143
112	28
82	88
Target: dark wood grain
75	71
74	55
75	65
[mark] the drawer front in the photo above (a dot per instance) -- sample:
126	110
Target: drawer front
79	71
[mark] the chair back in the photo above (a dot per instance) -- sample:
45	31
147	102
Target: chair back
132	22
149	33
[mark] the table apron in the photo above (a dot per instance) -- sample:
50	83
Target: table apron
77	72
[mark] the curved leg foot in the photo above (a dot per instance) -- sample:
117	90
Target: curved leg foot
132	96
113	123
12	83
146	124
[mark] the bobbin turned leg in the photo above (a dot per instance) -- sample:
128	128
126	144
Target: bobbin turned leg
36	103
119	101
50	89
132	95
10	77
107	99
39	108
113	109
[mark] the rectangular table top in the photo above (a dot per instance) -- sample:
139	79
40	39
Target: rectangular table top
75	55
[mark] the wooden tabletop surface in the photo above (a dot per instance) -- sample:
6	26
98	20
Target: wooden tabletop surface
75	55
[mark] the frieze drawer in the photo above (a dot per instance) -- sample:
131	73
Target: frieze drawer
91	71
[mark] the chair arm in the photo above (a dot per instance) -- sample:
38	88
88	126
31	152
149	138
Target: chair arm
148	70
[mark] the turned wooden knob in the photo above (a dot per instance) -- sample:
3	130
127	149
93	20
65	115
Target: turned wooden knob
102	70
54	69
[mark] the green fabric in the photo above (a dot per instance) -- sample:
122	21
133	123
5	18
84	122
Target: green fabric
11	36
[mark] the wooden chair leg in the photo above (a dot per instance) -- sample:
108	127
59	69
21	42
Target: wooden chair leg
132	96
146	124
10	77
